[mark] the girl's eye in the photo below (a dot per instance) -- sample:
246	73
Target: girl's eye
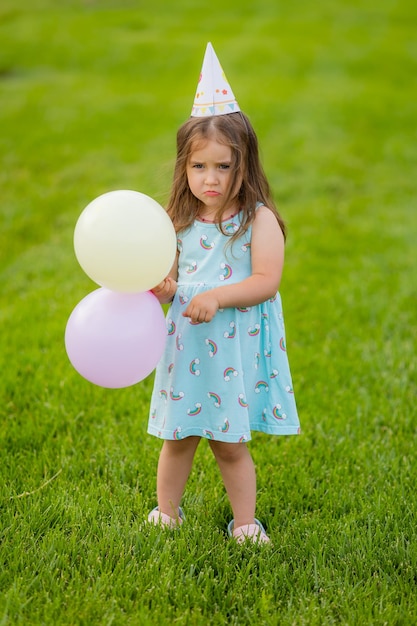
200	166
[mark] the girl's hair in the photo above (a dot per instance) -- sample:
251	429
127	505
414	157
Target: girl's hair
249	182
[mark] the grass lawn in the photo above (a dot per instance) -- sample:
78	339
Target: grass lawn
91	96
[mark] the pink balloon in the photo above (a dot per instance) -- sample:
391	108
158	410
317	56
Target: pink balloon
115	339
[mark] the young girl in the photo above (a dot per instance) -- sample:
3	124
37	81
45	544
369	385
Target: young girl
225	370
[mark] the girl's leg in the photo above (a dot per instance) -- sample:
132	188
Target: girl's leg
239	477
174	466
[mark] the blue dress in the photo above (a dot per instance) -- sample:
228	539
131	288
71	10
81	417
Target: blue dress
223	379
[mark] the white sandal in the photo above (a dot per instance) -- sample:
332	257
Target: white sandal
157	517
251	532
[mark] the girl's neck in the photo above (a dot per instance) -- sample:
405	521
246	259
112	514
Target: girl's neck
201	218
208	218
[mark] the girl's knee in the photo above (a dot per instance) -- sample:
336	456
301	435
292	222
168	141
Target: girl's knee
181	446
228	452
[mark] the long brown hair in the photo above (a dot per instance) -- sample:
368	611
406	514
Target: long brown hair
248	176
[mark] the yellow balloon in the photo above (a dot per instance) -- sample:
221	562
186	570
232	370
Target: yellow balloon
125	241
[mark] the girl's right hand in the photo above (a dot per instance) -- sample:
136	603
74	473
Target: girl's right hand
203	307
165	291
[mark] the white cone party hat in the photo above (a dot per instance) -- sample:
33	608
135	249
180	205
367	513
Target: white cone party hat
214	95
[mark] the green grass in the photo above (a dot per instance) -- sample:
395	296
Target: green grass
91	96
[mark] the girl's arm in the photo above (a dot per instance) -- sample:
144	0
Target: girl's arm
165	291
267	252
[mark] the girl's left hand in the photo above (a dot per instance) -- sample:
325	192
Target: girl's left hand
165	291
202	307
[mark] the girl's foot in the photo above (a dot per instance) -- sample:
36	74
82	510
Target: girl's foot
250	532
156	517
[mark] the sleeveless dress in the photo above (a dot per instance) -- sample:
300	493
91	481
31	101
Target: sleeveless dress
225	378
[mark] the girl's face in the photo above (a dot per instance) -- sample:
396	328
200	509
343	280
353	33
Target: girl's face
209	173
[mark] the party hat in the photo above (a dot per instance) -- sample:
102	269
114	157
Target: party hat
214	95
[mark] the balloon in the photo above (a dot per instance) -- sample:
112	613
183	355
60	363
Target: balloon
114	339
125	241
